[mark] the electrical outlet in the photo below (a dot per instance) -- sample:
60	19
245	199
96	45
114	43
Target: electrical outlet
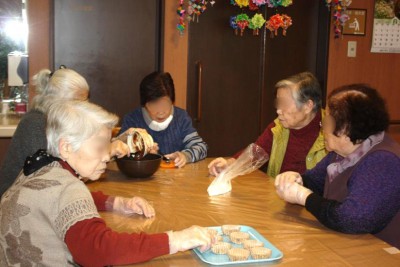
351	49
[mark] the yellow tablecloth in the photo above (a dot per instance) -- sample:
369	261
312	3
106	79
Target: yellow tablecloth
181	200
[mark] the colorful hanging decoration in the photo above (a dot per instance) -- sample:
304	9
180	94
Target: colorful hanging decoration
253	6
277	3
274	23
278	21
259	2
256	22
233	24
287	22
340	17
242	21
242	3
194	9
181	13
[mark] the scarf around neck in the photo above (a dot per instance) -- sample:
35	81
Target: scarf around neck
336	168
40	159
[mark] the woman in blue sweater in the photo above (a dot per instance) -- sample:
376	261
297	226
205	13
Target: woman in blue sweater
170	126
356	187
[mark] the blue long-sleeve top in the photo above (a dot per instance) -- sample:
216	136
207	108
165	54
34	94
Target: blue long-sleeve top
180	135
373	194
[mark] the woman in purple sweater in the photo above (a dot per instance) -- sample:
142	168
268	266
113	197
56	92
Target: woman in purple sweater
356	188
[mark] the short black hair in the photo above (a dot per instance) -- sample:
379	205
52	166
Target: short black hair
308	89
358	110
156	85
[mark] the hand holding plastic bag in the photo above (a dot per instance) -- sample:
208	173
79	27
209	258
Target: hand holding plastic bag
252	158
139	141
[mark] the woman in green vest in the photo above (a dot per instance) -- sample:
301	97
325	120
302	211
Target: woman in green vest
294	139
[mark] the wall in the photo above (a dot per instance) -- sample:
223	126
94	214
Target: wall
175	46
378	70
39	38
175	52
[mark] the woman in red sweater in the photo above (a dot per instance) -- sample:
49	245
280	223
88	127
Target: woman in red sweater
294	140
48	216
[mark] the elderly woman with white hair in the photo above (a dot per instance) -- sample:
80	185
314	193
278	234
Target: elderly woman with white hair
63	84
294	140
49	217
355	189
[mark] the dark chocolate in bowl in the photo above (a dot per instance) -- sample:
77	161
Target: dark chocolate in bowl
139	168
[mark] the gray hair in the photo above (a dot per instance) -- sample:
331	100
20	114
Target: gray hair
75	121
304	86
63	84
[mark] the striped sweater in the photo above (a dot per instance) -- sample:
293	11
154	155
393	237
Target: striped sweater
180	135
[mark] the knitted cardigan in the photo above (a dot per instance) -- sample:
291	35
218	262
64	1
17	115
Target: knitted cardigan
29	137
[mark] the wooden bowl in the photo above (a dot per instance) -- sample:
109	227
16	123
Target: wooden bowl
143	168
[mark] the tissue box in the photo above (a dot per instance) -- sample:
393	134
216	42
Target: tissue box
18	73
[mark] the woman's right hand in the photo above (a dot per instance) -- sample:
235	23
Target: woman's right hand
218	165
189	238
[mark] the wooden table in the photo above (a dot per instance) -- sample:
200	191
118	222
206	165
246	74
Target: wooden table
181	200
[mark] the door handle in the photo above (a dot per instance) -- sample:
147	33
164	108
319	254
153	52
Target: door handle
199	89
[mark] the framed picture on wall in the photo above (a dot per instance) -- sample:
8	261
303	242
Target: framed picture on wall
355	25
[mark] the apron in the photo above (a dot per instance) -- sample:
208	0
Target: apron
337	190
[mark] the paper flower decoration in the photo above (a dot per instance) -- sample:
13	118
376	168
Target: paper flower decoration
242	3
233	24
242	20
252	6
259	2
276	3
274	23
287	22
339	14
286	3
193	11
181	13
256	22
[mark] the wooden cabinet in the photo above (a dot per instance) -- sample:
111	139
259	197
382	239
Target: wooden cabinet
113	44
231	78
4	144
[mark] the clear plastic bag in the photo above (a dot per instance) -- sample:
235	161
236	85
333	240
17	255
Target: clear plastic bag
252	158
138	141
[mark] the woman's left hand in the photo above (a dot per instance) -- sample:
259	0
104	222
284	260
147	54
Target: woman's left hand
179	158
284	179
294	193
119	149
135	205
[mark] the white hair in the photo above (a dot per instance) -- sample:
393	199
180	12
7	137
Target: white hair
303	86
63	84
75	121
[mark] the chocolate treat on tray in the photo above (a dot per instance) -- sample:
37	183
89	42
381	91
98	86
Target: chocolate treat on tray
238	237
260	253
221	247
238	254
252	243
227	229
